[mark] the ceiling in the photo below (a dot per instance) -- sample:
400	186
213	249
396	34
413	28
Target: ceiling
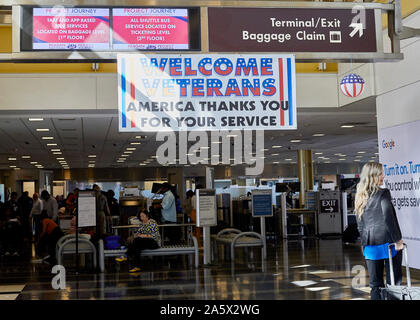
81	134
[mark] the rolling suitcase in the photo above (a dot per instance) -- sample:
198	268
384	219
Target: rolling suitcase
393	292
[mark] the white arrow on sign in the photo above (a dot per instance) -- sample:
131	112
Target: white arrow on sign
356	27
330	209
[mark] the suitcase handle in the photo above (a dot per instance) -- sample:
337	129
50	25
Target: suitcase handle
391	269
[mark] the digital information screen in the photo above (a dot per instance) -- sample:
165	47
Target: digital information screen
71	29
150	28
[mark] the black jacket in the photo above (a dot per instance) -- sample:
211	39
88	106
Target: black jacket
379	224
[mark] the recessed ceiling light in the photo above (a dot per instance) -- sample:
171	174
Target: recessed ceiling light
26	157
12	166
34	162
275	154
55	150
47	138
131	149
276	162
51	144
318	134
142	164
295	141
342	159
276	146
357	160
124	155
12	159
319	153
92	161
326	158
359	156
57	153
128	152
42	130
154	157
134	143
60	158
288	159
361	152
347	126
92	156
36	119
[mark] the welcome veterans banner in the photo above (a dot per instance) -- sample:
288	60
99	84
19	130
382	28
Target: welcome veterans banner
206	92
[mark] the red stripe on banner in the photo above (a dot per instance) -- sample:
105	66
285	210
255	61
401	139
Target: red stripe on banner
348	93
133	124
133	91
281	91
354	90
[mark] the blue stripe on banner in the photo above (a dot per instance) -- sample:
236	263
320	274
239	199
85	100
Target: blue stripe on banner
289	87
123	89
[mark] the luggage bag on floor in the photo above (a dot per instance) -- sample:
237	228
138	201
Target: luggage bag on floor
393	292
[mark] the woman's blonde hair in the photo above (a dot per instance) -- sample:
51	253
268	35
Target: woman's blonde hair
368	185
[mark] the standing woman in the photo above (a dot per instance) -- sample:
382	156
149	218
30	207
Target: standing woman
147	236
378	227
36	215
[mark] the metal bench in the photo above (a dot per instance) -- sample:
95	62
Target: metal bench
162	251
67	245
234	238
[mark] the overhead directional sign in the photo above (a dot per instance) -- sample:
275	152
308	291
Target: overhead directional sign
291	30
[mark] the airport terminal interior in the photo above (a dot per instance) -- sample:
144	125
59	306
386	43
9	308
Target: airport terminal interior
260	212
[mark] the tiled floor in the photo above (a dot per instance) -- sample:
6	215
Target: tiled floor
294	270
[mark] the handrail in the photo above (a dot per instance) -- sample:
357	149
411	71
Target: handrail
228	230
80	240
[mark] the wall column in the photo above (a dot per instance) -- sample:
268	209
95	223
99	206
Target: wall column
305	174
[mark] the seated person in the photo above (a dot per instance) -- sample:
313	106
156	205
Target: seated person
147	236
51	233
11	233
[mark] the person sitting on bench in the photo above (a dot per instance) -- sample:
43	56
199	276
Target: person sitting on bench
147	236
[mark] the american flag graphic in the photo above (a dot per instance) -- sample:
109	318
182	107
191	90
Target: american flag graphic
286	92
352	85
